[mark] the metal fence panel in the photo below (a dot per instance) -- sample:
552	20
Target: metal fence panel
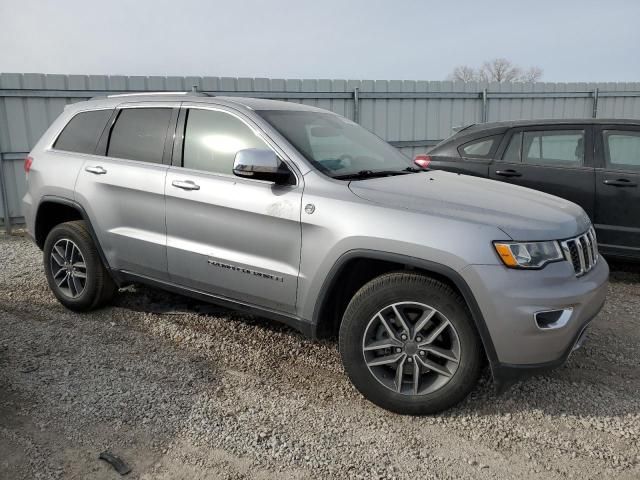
412	115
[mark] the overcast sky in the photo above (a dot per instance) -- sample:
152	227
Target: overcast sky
571	40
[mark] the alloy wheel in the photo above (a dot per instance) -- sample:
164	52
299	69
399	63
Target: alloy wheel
411	348
68	268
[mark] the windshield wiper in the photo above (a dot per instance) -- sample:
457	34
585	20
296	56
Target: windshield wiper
376	173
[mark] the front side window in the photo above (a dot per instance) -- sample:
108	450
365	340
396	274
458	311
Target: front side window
334	145
563	148
477	148
140	134
622	149
83	131
212	138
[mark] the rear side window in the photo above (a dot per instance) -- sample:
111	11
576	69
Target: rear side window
83	131
553	147
622	149
140	134
212	139
477	148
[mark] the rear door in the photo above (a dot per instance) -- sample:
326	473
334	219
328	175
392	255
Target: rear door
233	237
554	159
617	217
123	188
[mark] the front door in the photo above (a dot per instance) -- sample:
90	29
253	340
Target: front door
229	236
617	216
555	160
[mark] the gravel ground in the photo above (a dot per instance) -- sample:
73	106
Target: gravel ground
180	389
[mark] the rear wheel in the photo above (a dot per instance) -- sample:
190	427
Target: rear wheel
74	270
408	344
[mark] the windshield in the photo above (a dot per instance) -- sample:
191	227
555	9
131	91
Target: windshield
334	145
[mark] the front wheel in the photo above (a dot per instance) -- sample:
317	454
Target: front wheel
408	344
73	268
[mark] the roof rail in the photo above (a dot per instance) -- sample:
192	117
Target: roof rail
137	94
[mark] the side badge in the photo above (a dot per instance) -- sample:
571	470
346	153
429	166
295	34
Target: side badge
310	208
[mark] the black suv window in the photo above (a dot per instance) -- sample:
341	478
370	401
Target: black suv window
622	149
480	148
139	134
212	138
553	147
512	153
83	131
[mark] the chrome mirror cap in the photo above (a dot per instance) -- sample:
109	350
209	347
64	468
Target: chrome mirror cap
260	164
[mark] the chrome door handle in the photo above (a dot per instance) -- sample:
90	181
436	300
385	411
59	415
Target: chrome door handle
185	185
96	170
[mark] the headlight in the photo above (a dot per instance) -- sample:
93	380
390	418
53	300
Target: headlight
528	254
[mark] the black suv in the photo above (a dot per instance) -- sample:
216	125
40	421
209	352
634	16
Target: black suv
592	162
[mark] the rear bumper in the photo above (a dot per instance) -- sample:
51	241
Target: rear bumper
509	299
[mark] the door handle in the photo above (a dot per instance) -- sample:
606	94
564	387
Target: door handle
185	185
508	173
98	170
620	182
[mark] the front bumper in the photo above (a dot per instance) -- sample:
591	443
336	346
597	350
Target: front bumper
509	299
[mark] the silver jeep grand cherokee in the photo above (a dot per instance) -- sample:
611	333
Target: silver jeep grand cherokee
300	215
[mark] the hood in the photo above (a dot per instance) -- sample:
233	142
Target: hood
522	213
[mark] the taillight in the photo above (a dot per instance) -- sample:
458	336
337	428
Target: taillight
422	161
27	164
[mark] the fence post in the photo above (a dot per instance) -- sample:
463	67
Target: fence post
5	197
356	105
595	102
484	114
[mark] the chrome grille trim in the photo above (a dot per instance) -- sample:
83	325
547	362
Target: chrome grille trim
589	248
582	251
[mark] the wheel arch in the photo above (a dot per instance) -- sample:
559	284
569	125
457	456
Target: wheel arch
53	211
324	313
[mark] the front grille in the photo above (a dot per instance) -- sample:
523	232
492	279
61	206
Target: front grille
582	251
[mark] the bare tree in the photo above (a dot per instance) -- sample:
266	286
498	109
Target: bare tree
463	73
499	70
533	74
496	70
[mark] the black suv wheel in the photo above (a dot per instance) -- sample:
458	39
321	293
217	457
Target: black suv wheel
74	270
408	344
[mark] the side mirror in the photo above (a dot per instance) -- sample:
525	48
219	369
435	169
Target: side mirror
260	164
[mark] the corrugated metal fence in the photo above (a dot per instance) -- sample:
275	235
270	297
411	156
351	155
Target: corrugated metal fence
412	115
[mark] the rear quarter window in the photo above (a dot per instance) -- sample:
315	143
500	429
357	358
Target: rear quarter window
82	132
479	148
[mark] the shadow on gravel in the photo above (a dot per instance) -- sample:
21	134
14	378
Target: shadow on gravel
141	298
624	271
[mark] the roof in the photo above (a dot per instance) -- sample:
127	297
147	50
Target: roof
247	102
549	121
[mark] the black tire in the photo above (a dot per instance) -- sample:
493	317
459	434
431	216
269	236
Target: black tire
394	288
99	288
